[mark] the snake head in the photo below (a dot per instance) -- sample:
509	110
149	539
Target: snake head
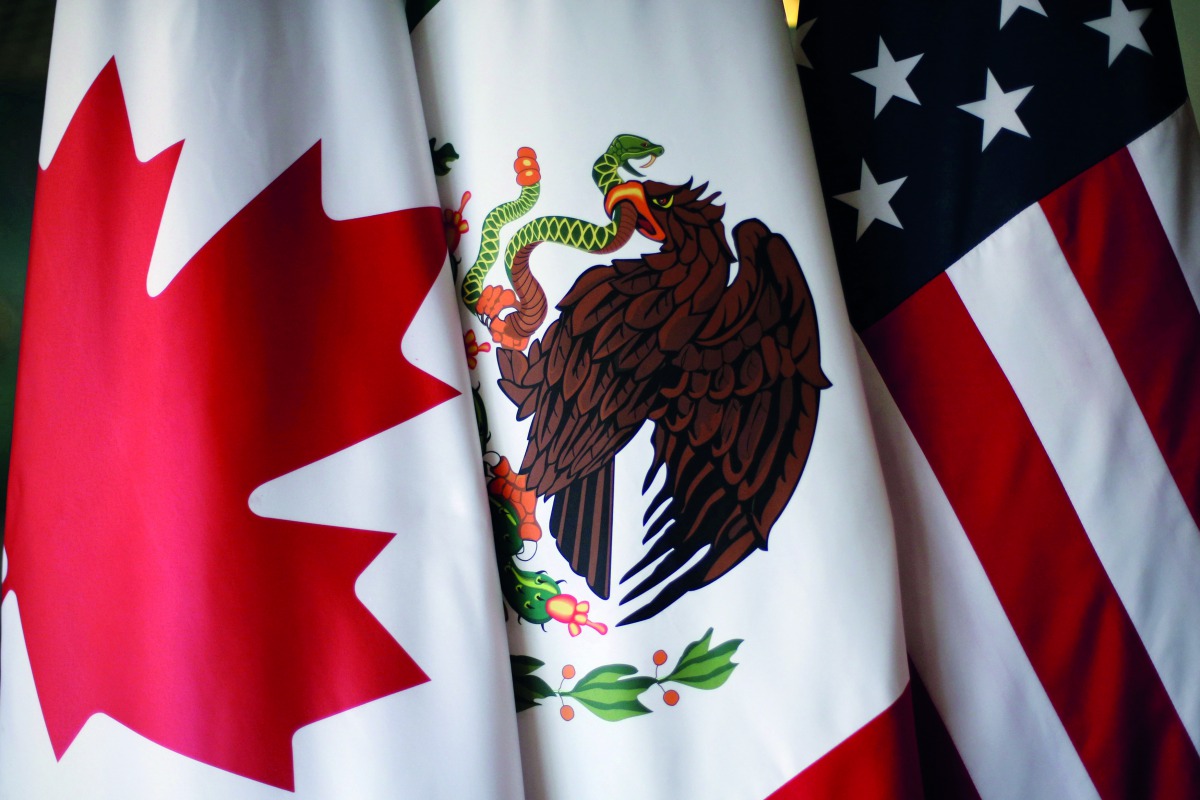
626	147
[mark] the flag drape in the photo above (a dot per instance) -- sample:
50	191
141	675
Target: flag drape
1019	260
234	317
800	612
496	399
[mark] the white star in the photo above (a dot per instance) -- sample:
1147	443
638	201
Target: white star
998	110
798	44
890	77
1009	7
873	200
1123	29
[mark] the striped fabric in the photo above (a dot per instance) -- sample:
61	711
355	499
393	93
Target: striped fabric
1033	380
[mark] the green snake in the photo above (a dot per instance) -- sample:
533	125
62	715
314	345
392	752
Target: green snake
580	234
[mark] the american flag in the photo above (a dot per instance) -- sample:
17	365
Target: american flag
1013	189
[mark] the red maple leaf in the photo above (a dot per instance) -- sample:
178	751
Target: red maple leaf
148	590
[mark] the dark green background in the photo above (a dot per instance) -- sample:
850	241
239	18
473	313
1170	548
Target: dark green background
25	27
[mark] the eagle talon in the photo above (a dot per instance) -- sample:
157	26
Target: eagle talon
512	487
502	337
493	300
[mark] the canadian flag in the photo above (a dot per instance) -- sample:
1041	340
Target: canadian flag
245	554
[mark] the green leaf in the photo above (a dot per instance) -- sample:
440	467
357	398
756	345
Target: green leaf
442	156
701	664
528	690
605	675
614	712
709	680
702	668
696	648
524	665
608	693
481	419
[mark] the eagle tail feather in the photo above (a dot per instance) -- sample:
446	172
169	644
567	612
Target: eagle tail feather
729	551
581	523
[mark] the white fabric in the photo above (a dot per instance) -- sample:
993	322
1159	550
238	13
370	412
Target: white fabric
823	651
1173	183
249	88
959	638
1025	301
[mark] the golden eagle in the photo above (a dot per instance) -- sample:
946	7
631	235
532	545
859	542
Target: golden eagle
727	371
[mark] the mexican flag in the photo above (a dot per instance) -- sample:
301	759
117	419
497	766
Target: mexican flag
459	403
695	548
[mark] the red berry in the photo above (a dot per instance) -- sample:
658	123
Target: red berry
671	697
567	713
660	657
568	671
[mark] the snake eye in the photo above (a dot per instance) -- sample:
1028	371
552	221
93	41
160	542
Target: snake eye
664	202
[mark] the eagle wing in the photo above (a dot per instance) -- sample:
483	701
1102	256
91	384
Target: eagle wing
736	425
589	384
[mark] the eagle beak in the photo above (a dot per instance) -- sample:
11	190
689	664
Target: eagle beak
634	193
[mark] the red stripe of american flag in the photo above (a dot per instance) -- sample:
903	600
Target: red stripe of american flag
1016	513
1115	244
